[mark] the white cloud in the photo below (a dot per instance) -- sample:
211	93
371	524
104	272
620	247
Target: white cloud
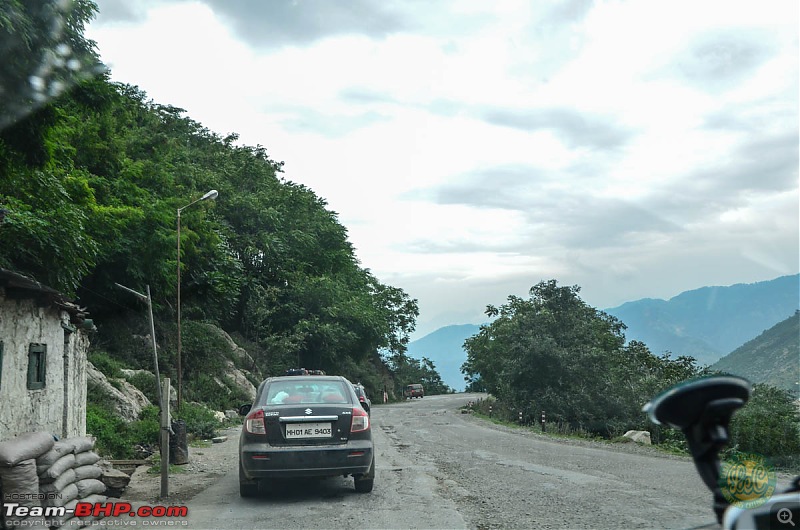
637	148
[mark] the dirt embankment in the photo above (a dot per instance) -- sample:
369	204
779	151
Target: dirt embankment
207	462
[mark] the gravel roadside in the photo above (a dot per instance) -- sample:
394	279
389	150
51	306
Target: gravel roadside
207	463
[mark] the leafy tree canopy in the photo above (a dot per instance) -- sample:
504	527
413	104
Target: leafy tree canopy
554	352
267	260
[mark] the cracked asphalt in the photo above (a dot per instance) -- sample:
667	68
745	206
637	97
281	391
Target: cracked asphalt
438	468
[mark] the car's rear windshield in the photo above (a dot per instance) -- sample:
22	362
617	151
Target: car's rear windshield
306	392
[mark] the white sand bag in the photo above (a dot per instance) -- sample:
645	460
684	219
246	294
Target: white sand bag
49	457
58	485
89	486
86	459
60	466
25	447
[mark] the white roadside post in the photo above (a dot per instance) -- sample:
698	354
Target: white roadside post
165	432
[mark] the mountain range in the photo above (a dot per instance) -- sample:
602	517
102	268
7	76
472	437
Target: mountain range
445	348
705	323
709	322
773	357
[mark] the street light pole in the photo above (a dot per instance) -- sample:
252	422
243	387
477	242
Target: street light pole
209	195
165	430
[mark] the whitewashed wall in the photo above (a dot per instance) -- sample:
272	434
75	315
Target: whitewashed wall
22	322
75	406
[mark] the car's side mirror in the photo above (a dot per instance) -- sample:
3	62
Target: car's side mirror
245	409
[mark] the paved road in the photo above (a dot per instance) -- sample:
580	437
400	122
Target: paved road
437	468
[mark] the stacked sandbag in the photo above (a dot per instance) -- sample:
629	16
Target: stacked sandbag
68	474
18	474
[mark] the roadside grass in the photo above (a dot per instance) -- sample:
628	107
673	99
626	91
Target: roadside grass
551	430
557	431
155	468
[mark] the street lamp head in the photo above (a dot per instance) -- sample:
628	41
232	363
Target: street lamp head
210	195
213	194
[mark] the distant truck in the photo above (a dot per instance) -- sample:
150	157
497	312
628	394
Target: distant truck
413	391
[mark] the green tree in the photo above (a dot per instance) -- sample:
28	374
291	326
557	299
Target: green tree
92	195
554	352
46	225
409	370
44	53
769	424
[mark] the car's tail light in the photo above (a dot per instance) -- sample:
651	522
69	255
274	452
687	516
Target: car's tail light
362	399
360	420
254	423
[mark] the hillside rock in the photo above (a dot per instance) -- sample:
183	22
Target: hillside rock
237	377
125	399
173	394
239	354
642	437
128	373
239	380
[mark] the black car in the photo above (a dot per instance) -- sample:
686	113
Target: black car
305	426
362	396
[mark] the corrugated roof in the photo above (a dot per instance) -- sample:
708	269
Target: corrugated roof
20	282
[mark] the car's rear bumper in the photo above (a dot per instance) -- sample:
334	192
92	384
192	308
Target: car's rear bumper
261	460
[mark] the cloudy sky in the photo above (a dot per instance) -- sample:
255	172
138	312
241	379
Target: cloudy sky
473	148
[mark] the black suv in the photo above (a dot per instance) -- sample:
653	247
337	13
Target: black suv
362	396
305	426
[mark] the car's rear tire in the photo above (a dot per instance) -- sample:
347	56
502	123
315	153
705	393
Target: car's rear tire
365	482
248	490
247	487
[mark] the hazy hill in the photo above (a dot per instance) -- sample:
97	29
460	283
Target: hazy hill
709	322
705	323
773	357
444	348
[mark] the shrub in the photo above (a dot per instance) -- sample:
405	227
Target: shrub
146	383
204	349
110	367
200	420
101	423
204	388
115	438
768	425
147	429
672	440
217	393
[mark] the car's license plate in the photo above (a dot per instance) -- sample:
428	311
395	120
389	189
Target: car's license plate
308	430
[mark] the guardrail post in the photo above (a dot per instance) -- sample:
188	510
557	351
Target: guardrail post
543	422
490	410
520	417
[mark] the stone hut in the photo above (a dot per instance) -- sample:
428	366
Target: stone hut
43	345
